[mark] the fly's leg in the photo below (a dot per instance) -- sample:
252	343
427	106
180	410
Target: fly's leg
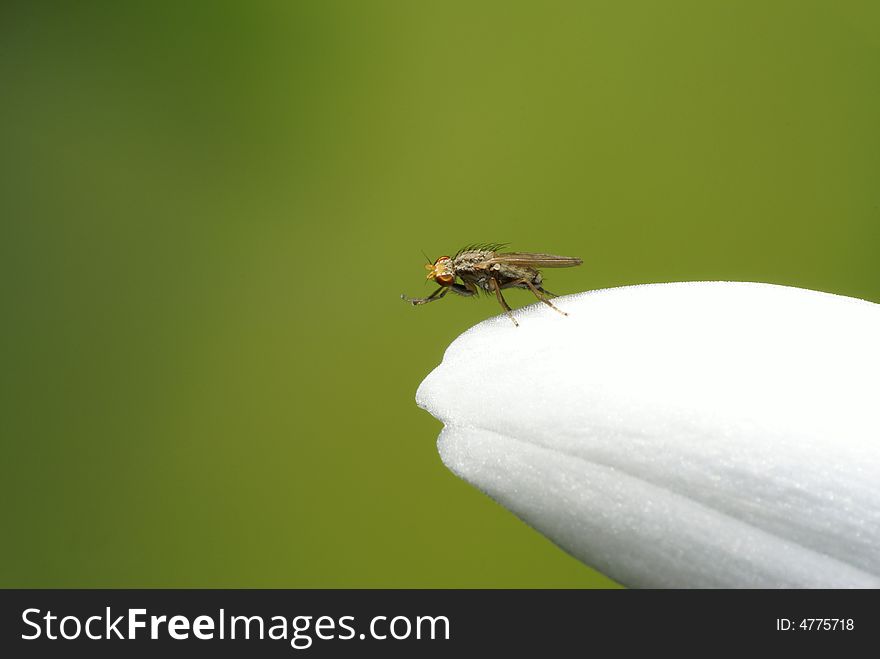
493	283
536	291
433	297
464	290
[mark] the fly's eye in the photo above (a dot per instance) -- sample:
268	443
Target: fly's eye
439	272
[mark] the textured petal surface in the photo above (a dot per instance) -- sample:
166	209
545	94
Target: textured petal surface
710	434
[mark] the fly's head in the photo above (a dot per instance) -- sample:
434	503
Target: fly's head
441	271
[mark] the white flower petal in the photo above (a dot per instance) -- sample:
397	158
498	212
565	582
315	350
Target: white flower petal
682	435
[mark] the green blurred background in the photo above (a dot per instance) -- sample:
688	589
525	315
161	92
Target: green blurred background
210	210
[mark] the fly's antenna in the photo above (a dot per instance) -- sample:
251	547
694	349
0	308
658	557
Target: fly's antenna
428	263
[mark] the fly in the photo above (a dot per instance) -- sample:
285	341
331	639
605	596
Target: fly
485	267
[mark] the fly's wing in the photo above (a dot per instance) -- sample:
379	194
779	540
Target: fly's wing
533	260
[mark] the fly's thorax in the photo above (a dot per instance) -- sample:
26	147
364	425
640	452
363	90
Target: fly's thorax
468	261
